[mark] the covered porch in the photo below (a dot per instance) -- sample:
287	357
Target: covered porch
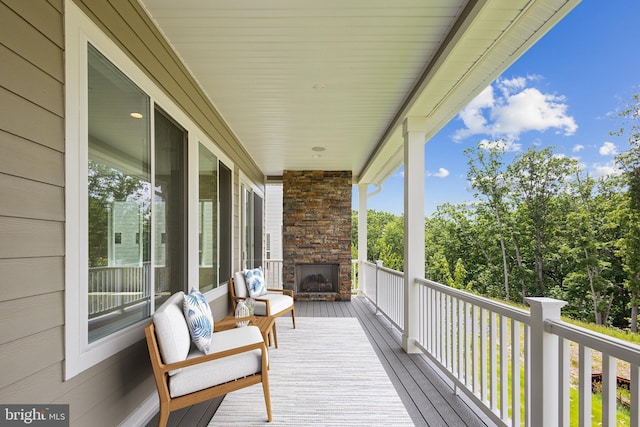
428	396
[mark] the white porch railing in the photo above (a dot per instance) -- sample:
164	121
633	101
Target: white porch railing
273	273
494	353
385	288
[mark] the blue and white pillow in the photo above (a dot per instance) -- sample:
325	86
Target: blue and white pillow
255	282
199	319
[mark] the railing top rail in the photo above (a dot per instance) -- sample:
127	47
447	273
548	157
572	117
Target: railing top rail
385	269
391	271
515	313
620	349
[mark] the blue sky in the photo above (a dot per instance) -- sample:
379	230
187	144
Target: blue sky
562	92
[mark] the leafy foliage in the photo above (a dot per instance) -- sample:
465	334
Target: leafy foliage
539	226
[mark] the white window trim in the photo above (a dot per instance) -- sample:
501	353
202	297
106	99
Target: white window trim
79	30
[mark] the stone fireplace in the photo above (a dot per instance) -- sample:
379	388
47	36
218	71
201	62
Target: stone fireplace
316	234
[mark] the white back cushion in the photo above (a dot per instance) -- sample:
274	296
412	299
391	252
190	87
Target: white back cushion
172	332
239	284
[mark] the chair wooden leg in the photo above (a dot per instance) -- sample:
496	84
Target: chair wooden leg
275	335
267	396
293	318
163	416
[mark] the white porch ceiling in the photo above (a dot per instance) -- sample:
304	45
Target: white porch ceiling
291	75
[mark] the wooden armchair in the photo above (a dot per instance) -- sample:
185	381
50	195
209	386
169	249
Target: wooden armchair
185	376
275	303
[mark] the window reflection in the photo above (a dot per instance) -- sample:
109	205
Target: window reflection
118	184
208	212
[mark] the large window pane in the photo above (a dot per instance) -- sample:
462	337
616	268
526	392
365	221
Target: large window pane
226	221
257	230
170	231
247	227
118	199
208	232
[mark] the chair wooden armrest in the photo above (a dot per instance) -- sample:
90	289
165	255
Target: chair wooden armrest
282	291
213	356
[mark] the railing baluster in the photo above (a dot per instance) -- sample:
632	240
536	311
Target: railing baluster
584	386
564	386
609	387
515	373
483	355
527	375
447	329
476	354
462	326
455	330
493	362
504	372
468	311
635	395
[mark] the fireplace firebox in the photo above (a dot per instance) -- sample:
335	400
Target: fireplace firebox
317	278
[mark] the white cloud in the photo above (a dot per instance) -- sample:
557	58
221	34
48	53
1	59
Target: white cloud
608	149
472	115
578	148
442	173
513	110
503	144
609	169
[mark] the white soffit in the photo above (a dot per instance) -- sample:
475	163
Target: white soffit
291	75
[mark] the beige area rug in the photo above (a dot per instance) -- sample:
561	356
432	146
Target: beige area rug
323	373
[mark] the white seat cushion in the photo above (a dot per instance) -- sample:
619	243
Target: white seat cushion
277	303
219	371
172	332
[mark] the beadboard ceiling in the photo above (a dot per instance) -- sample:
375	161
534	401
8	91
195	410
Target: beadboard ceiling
340	76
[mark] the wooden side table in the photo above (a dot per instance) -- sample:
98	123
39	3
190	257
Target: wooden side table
264	323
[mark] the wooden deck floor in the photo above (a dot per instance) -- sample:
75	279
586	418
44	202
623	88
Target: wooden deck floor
429	399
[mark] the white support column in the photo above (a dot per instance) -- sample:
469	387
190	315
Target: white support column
544	362
362	232
413	130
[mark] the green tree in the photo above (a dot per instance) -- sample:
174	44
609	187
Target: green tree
537	177
629	163
486	174
588	246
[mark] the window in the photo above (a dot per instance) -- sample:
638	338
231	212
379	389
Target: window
226	222
122	206
128	199
215	216
118	189
252	227
208	213
169	208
